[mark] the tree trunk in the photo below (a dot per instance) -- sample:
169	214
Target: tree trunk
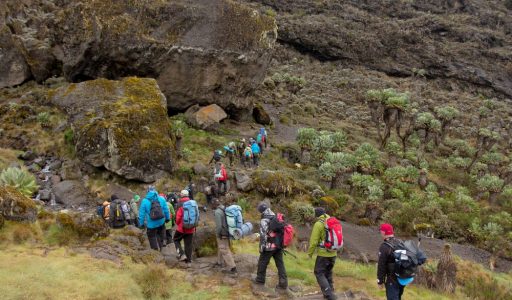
493	196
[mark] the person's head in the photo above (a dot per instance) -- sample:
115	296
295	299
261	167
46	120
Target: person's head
215	203
184	193
319	211
386	230
136	198
151	188
243	140
113	197
262	207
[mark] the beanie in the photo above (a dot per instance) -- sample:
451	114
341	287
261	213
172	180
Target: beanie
319	211
262	207
136	198
387	229
113	197
184	193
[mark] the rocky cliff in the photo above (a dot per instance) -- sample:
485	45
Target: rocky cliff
197	50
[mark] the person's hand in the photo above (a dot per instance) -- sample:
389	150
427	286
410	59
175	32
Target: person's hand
380	285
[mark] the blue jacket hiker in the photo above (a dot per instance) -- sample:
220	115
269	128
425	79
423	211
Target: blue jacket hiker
255	153
154	212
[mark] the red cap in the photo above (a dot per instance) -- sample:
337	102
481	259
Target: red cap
387	229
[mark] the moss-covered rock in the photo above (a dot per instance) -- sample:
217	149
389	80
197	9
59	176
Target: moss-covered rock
274	183
15	206
84	225
121	125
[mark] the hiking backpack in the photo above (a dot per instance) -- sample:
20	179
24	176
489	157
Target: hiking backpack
156	212
100	210
217	155
190	214
407	258
117	216
234	220
333	235
281	232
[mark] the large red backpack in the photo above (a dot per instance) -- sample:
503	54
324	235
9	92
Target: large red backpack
333	235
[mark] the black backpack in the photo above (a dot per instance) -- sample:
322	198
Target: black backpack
156	212
116	214
277	228
407	258
217	155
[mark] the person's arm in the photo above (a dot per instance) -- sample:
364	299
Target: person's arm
314	240
179	216
382	264
142	213
218	223
263	233
167	213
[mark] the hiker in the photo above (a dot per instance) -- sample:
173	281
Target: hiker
230	152
247	157
191	189
126	210
154	213
256	150
169	225
183	232
260	139
222	234
173	198
117	212
134	209
221	176
264	136
240	149
270	248
103	211
325	258
385	267
217	156
211	192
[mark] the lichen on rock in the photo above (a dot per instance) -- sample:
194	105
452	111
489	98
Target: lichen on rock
15	206
121	125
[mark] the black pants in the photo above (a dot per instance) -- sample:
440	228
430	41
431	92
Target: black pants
156	237
394	290
263	261
323	273
187	237
221	183
261	147
168	236
256	159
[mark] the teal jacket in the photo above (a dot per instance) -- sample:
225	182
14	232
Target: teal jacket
317	236
145	207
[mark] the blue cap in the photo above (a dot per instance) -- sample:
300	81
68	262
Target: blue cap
405	281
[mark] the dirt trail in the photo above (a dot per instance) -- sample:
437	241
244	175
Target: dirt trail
366	240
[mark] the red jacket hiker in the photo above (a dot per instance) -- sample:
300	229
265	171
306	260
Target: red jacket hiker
223	174
179	218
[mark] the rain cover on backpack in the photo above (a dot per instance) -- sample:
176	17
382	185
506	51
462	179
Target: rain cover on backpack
234	219
333	235
407	258
190	214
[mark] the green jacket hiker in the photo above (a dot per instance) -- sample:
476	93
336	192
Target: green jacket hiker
317	236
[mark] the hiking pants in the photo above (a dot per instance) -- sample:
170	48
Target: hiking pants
221	183
394	290
156	237
256	160
187	237
261	147
323	273
224	253
168	236
247	161
263	261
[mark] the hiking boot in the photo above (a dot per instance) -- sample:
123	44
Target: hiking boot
233	271
188	265
183	258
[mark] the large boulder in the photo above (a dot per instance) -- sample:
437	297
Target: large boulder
15	206
261	116
196	49
274	183
244	182
120	125
13	68
71	193
205	117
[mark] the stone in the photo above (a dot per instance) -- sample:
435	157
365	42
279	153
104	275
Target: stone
205	117
120	125
246	263
45	195
15	206
13	68
71	193
70	170
274	183
244	182
200	169
119	190
261	116
27	155
55	179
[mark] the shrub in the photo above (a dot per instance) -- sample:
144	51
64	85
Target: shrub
43	118
153	280
306	138
244	204
69	136
367	157
20	179
302	212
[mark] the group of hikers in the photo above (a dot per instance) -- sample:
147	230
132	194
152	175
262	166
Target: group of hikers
248	151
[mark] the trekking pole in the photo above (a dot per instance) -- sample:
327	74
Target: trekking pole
287	252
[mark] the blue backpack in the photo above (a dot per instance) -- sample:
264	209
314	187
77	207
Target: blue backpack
190	214
234	218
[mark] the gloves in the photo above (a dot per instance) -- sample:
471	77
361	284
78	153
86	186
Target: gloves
167	221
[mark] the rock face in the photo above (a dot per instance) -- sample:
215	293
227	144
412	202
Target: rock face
453	39
15	206
70	193
120	125
205	117
261	116
244	182
196	49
